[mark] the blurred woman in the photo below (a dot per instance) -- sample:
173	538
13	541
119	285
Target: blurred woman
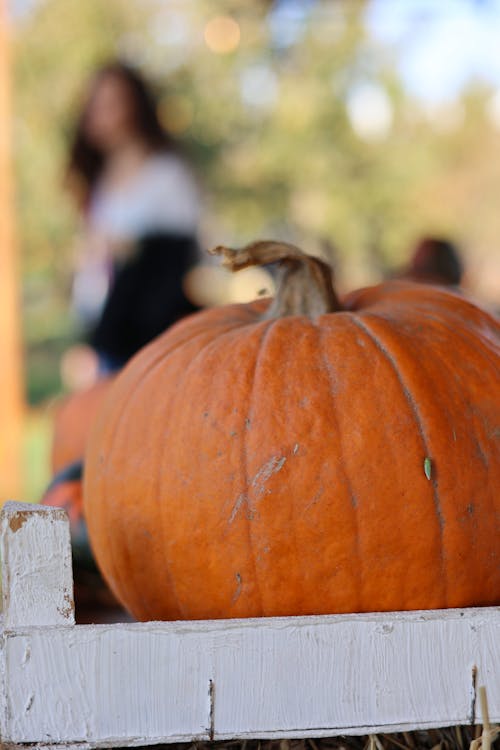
140	206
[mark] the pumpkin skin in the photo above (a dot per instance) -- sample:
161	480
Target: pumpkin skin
260	467
72	423
66	491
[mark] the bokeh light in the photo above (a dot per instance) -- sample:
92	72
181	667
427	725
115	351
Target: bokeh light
250	284
259	87
222	35
370	111
206	285
213	285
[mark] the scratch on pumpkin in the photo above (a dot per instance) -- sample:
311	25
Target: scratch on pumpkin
258	483
240	500
238	588
266	471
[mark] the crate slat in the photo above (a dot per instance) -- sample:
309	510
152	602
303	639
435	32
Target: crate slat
146	683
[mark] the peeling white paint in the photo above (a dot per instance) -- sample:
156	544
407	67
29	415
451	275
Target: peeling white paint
37	581
272	677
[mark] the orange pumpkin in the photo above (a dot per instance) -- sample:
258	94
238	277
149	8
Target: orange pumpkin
65	491
301	456
72	424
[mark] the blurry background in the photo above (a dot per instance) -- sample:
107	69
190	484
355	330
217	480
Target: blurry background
349	127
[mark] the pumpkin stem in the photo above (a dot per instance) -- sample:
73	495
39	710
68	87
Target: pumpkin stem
305	283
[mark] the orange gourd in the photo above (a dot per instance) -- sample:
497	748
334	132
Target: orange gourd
72	423
303	456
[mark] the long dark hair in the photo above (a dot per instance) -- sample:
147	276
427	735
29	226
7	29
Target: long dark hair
86	161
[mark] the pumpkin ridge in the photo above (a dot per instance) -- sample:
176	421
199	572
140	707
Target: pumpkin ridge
247	479
364	326
464	334
109	526
215	340
138	382
466	338
287	366
391	297
347	481
299	501
229	327
218	339
453	321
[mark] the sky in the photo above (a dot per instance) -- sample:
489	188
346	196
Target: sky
441	44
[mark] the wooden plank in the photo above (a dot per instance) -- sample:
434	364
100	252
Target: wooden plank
267	678
11	385
37	578
147	683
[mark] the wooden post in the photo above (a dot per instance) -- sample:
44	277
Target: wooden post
11	385
37	575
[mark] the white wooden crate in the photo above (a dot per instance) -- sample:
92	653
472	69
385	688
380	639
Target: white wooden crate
160	682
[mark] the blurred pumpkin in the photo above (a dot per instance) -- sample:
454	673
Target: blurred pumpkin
65	491
72	423
303	456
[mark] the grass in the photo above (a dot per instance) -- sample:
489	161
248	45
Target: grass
36	454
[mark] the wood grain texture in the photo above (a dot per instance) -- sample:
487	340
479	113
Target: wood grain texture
277	677
37	581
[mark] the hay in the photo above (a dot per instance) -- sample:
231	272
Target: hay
450	738
490	733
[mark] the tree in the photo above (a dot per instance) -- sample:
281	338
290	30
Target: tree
268	117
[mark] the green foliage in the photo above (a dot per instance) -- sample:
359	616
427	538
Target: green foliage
36	454
269	130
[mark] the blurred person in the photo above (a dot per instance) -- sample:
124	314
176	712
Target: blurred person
435	260
140	208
